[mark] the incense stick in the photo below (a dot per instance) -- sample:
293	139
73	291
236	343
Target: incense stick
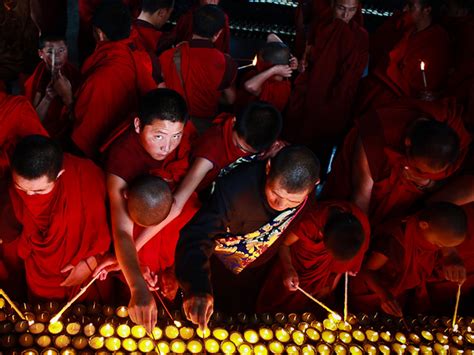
318	302
346	286
13	305
74	299
458	297
176	323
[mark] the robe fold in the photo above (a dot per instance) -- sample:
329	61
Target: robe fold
63	227
217	146
56	121
128	160
17	120
317	269
411	262
184	31
115	76
400	75
382	132
322	99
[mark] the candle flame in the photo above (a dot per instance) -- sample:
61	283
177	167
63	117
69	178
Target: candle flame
254	61
455	328
55	319
31	322
422	65
177	323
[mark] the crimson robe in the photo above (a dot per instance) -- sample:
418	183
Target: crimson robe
217	146
115	76
63	227
323	96
128	160
56	121
274	91
382	132
401	74
205	71
316	267
17	120
184	31
411	262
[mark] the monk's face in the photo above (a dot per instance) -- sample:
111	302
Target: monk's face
345	9
209	2
56	49
160	138
419	171
415	10
40	186
442	239
279	199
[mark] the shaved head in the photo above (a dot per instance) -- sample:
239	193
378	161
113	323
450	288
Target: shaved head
149	200
276	53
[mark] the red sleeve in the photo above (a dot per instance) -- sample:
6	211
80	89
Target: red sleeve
123	160
230	73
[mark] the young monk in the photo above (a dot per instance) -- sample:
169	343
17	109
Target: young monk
320	108
158	143
404	256
397	154
202	74
399	73
184	27
59	200
247	135
328	241
269	80
52	86
115	76
146	33
229	243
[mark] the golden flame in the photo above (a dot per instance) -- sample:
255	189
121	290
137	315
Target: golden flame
422	65
254	61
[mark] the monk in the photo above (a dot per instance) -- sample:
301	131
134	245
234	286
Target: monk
184	27
202	74
59	200
397	154
398	73
320	108
17	119
328	241
158	143
231	139
52	86
269	80
405	255
225	250
146	32
114	77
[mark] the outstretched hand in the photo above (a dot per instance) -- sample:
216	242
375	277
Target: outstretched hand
198	309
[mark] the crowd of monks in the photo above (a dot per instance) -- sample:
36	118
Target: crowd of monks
159	165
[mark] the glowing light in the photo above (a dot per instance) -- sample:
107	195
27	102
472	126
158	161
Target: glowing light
96	342
122	312
211	345
328	336
113	343
129	344
276	347
89	330
138	331
282	335
107	330
345	337
220	334
157	333
62	341
422	65
236	338
178	346
298	337
228	347
123	330
146	345
171	332
266	333
73	328
251	336
203	333
260	349
195	347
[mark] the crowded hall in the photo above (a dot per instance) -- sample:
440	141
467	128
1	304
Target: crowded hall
236	177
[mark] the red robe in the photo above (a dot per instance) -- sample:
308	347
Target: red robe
316	267
17	120
382	132
145	36
274	91
401	75
128	160
205	70
321	103
115	76
217	146
63	227
411	261
184	31
56	121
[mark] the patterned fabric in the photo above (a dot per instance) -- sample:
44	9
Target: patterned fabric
237	252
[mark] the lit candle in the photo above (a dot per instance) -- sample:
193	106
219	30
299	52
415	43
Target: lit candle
458	297
236	338
298	337
187	333
157	333
195	347
345	337
138	331
328	336
265	333
26	340
163	347
79	342
62	341
218	333
260	349
324	349
43	341
356	350
96	342
73	328
113	343
55	328
106	330
129	344
313	334
50	351
282	335
89	330
146	345
276	347
251	336
178	346
122	312
423	74
202	333
245	349
123	331
172	332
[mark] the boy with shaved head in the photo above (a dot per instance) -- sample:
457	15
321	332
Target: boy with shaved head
404	257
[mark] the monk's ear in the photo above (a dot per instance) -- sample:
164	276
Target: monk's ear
423	225
137	125
267	167
40	53
60	173
317	182
214	38
125	194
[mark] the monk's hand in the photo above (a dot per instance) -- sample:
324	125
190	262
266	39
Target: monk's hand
293	63
108	264
150	277
282	69
142	308
273	150
198	309
63	87
426	95
77	274
168	284
390	305
453	268
290	279
50	92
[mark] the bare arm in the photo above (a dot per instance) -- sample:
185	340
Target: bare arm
228	96
459	191
254	85
142	306
290	276
362	181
